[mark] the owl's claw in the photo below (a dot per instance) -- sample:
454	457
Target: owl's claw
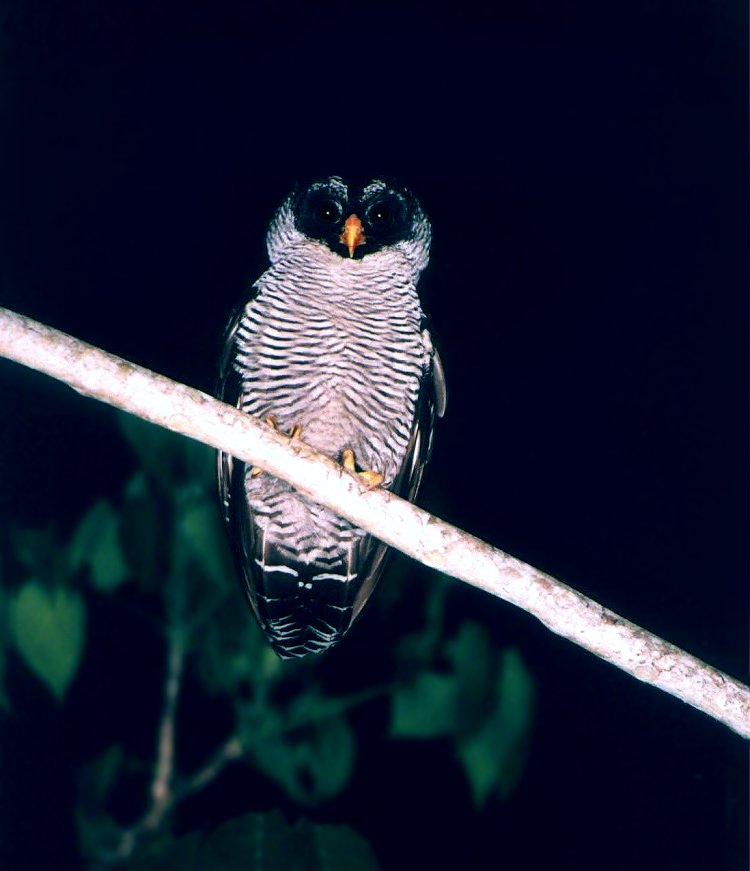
294	435
369	478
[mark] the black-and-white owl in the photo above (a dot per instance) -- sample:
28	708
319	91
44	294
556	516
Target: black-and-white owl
331	348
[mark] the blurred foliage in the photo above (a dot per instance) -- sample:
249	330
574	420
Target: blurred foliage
483	701
164	538
48	630
261	842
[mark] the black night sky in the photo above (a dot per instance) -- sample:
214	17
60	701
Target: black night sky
584	166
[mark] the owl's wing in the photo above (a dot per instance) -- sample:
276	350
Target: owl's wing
228	390
243	534
431	402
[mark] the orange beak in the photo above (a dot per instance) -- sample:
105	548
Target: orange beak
353	234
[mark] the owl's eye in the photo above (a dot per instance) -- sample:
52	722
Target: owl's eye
380	214
328	211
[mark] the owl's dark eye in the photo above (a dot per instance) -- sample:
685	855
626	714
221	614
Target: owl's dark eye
328	211
380	214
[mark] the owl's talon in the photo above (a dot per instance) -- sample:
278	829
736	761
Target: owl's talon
369	478
294	433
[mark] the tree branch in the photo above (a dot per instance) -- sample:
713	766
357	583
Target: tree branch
427	539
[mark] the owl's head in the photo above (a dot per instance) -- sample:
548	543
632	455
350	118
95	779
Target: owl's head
353	220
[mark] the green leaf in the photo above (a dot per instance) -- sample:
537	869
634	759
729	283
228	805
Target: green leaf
230	651
426	708
4	640
199	463
200	528
96	778
261	842
475	663
157	449
329	759
494	757
169	458
311	764
200	573
88	532
342	849
166	853
48	628
145	533
40	553
96	544
4	701
97	833
418	649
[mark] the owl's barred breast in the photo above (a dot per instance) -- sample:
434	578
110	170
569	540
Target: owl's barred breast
336	346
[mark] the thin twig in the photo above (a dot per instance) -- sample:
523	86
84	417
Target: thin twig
415	532
229	751
161	787
233	748
162	793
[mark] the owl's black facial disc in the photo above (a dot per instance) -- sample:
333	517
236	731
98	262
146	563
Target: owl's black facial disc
322	209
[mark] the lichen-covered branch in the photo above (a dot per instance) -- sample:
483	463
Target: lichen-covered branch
422	536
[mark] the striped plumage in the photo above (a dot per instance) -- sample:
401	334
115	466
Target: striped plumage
332	340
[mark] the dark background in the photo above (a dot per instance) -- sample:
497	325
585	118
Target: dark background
585	169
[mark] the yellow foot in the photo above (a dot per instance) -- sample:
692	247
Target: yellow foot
369	478
294	434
